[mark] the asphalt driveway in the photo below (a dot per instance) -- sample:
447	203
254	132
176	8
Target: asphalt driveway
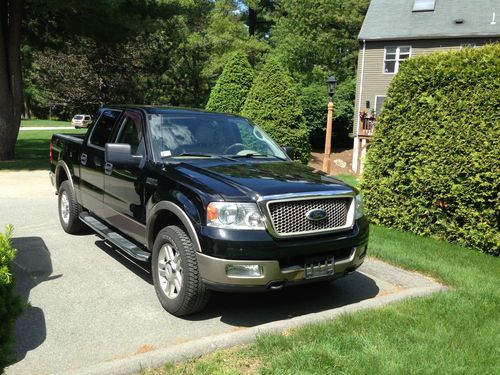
93	311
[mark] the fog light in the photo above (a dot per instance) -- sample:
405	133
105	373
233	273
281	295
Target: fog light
244	270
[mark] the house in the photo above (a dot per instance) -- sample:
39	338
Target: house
394	31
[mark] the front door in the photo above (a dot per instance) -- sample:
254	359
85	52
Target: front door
124	185
92	162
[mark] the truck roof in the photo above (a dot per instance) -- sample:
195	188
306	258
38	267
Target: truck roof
153	109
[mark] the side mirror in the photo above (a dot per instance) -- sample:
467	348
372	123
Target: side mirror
121	154
290	151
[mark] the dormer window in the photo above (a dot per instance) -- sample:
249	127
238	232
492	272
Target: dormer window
423	5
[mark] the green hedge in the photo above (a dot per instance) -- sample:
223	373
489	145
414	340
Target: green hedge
232	86
10	305
433	167
273	103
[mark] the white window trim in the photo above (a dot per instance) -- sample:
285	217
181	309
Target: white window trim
375	103
396	66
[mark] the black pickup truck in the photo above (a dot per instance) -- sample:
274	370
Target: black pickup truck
209	200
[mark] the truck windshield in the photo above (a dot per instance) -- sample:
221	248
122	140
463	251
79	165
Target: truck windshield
190	135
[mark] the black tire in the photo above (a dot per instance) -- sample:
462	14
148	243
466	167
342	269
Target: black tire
69	211
192	295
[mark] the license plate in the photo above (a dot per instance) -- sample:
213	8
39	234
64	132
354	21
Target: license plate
319	268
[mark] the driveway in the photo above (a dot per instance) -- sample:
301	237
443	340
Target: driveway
93	311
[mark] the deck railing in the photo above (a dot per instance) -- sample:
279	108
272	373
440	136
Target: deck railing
366	125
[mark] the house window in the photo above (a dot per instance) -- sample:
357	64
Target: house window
423	5
393	56
379	102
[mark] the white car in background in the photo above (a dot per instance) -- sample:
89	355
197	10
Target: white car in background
81	121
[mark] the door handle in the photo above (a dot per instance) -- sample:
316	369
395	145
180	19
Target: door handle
108	168
83	159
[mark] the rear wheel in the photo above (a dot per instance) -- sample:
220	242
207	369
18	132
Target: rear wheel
69	209
175	272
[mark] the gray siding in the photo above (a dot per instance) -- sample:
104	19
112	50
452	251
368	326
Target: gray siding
375	81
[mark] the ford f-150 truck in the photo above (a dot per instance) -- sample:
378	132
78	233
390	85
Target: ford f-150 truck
209	200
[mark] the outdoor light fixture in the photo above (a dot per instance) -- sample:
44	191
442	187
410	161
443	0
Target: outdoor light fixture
331	82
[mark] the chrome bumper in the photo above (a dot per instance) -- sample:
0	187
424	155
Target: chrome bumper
213	270
52	178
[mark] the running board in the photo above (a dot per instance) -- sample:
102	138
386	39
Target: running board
116	239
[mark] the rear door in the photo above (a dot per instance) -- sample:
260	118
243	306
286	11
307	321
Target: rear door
92	161
124	186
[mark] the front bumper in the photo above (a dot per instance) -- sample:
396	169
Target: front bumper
275	274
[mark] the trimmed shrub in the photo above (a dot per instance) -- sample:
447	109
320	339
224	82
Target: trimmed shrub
433	167
273	104
231	89
10	305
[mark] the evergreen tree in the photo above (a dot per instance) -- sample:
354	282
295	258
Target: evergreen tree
314	35
232	87
273	104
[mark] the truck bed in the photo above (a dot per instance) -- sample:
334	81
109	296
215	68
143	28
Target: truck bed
75	138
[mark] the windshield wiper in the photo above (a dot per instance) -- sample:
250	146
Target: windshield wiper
201	155
198	154
255	154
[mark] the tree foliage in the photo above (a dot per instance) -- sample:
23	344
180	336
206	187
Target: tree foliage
273	103
225	35
78	54
312	35
433	167
230	91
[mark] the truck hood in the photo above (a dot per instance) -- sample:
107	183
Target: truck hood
255	178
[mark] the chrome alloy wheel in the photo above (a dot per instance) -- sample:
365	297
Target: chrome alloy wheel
170	271
64	208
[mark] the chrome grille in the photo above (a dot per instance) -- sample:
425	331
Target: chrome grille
289	217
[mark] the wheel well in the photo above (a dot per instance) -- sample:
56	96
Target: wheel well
164	219
61	176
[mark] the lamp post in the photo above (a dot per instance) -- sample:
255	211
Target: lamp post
330	82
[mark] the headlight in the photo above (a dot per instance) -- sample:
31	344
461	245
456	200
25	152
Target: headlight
234	215
359	212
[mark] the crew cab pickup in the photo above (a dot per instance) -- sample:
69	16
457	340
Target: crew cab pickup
208	200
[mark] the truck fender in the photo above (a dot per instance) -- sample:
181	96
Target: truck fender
179	213
62	164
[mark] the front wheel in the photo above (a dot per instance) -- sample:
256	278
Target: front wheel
175	272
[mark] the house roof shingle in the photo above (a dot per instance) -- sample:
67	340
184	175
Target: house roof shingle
394	19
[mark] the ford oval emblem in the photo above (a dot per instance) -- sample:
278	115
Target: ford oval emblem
316	214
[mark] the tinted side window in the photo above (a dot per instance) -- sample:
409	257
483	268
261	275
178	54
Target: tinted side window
131	133
103	128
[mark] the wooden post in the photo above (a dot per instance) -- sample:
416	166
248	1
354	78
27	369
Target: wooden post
327	164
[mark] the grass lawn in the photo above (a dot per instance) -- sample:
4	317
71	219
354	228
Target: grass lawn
39	123
32	150
348	178
453	332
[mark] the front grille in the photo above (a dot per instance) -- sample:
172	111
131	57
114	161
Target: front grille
289	217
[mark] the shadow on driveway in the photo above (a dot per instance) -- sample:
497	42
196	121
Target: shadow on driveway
252	309
248	310
32	266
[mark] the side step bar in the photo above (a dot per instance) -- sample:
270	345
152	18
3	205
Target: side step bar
115	238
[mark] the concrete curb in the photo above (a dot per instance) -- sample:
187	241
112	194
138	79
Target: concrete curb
157	358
